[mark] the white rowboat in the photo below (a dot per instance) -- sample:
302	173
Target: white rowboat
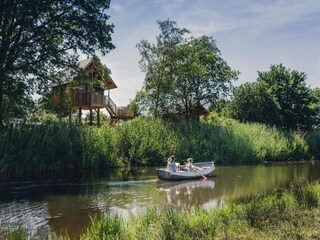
206	169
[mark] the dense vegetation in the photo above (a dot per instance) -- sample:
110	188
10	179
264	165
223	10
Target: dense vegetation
39	38
283	214
181	73
62	148
280	97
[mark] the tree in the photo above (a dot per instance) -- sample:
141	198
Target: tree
201	76
182	74
16	101
156	60
253	103
315	94
40	37
280	98
291	95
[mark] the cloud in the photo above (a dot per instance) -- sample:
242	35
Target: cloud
116	8
251	34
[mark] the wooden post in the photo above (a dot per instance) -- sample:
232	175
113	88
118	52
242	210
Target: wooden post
80	114
90	117
98	117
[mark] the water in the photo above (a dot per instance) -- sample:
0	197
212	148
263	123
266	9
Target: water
47	206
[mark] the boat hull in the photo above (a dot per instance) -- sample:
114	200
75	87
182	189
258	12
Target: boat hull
208	168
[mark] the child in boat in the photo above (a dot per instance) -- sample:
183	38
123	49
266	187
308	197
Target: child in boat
190	166
171	165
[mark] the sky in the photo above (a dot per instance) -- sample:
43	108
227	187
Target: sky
251	35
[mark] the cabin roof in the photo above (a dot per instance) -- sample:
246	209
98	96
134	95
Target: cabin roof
84	64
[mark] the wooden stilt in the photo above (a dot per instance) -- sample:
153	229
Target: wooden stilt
98	117
90	117
80	114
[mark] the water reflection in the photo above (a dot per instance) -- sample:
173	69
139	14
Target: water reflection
47	206
187	193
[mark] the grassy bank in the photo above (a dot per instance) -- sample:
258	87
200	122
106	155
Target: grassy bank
283	214
60	148
313	141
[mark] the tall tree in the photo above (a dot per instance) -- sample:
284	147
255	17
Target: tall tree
182	74
156	62
252	102
292	96
201	75
37	38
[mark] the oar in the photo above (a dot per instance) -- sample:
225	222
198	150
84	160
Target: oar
203	176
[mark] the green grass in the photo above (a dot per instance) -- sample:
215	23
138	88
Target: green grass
30	151
293	213
313	140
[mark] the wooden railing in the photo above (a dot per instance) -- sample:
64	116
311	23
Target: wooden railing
101	101
110	105
122	112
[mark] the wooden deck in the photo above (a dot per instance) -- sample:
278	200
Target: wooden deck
97	101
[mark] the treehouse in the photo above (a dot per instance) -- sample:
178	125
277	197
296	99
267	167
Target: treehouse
86	91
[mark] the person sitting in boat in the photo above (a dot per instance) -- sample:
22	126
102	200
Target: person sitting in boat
190	166
171	165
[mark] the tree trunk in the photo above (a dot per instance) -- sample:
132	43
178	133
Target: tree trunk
80	114
1	98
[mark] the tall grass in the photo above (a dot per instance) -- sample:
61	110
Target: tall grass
284	214
61	148
313	140
292	213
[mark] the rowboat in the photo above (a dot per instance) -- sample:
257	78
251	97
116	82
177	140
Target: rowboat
206	169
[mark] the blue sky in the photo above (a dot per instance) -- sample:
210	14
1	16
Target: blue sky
251	35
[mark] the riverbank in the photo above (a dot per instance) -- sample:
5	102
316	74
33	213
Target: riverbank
292	214
29	151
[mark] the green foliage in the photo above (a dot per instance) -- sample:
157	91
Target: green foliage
17	103
279	98
291	95
315	106
215	118
61	148
14	233
37	38
306	195
156	63
111	227
133	108
182	74
313	140
253	103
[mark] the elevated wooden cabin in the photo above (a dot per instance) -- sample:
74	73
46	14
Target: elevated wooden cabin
86	96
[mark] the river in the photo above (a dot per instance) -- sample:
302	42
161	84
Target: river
44	206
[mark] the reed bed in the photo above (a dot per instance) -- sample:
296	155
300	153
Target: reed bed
292	213
62	148
313	140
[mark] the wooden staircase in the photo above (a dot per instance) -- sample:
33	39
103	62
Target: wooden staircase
116	112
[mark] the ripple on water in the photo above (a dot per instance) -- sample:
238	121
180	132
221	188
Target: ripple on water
30	215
